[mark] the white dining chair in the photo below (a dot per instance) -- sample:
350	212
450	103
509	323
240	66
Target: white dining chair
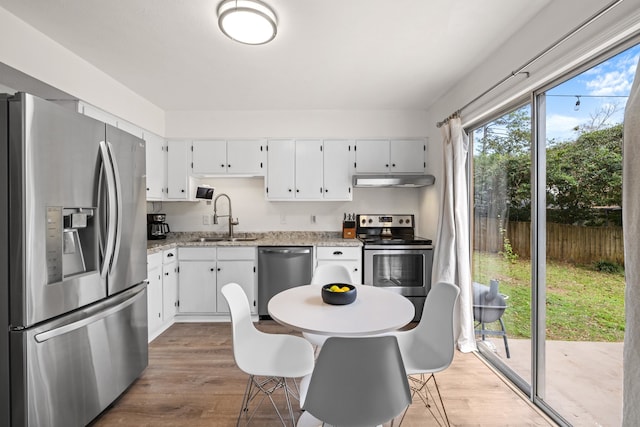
429	347
356	382
271	360
323	275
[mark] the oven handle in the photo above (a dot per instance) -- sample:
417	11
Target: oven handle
398	247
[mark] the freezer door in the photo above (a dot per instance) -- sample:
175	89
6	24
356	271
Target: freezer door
66	372
51	202
126	263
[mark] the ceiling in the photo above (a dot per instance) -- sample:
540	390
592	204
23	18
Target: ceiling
328	54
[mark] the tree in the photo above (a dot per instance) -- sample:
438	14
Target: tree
583	175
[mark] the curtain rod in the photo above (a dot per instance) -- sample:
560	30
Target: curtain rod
520	70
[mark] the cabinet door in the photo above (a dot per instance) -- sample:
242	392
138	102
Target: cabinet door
353	266
154	299
156	166
197	287
169	290
242	273
177	172
338	158
408	156
281	169
246	157
209	157
308	166
372	156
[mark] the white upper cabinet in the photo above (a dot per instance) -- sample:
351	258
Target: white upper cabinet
309	169
372	156
308	166
156	166
228	157
281	156
209	157
408	155
338	158
390	156
178	162
246	156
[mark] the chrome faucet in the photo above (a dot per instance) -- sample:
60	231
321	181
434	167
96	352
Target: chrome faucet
230	215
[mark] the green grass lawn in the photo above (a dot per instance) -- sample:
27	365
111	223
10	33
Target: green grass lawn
582	304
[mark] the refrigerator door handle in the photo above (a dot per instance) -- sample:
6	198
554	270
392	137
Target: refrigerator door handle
118	191
112	210
47	335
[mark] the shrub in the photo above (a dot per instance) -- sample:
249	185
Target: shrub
607	267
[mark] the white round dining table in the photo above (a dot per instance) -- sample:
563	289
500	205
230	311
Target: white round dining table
375	310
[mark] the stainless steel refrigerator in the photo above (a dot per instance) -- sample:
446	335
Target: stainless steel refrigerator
72	263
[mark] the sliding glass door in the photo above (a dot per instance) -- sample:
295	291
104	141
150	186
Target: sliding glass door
547	233
501	245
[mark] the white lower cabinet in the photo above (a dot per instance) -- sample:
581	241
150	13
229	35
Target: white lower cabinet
162	290
349	256
203	273
154	293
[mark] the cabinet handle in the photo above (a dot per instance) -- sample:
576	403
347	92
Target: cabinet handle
289	190
182	191
228	166
219	269
386	165
222	165
297	190
166	274
170	254
393	165
320	190
212	269
337	253
326	191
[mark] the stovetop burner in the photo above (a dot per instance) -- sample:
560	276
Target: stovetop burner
388	230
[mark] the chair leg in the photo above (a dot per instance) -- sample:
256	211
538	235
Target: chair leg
267	387
419	386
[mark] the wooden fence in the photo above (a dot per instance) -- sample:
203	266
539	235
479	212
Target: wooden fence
570	243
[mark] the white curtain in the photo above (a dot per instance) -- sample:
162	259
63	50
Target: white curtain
451	259
631	220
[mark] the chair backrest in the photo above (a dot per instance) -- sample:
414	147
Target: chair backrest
435	329
243	331
331	273
358	382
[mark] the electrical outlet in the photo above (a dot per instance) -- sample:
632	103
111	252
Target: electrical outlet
206	220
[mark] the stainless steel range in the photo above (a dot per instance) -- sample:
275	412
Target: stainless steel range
394	257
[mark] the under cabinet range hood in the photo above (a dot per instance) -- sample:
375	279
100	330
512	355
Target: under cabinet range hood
403	181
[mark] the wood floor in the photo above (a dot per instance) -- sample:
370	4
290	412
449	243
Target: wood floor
192	380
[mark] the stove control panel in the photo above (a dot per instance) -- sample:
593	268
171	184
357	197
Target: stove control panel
377	221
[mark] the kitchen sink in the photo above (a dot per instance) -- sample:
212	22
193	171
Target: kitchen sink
223	239
209	239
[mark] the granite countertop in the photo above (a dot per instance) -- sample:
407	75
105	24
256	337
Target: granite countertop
275	238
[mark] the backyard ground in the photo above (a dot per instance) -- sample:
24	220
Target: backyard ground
583	304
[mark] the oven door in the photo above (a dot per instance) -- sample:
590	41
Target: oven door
402	269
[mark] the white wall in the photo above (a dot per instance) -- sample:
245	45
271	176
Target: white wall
256	214
30	52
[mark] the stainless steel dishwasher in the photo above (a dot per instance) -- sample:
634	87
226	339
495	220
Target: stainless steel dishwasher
280	268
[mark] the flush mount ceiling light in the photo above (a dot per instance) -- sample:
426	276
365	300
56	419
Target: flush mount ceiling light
247	21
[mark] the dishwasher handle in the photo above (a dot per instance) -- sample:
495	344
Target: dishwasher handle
284	250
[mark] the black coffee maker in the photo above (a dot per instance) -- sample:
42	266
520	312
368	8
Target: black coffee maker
157	228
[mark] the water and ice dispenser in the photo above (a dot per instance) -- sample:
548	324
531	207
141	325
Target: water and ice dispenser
71	242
